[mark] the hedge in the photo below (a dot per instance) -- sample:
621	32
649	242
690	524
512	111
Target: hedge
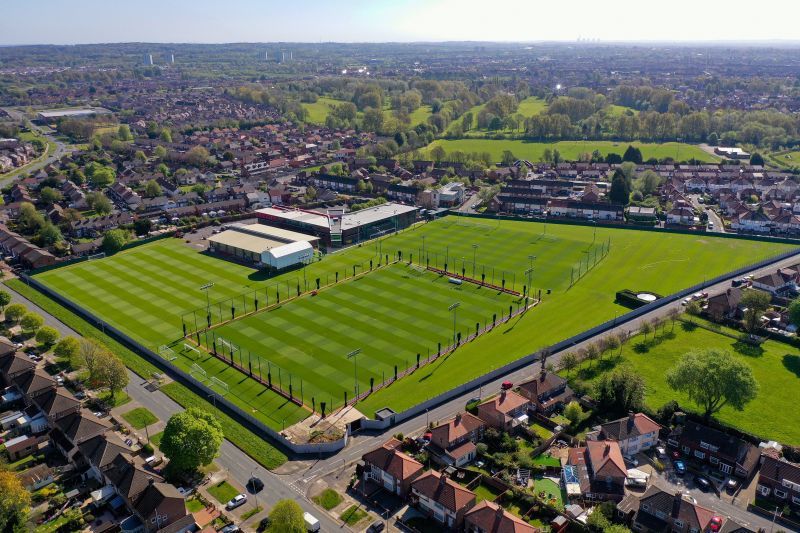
260	450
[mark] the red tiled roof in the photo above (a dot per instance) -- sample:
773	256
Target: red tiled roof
492	518
606	458
445	491
461	425
390	459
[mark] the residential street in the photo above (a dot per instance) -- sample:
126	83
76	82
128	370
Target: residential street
294	479
713	217
60	150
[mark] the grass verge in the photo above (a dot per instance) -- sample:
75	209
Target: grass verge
353	515
223	492
328	499
140	417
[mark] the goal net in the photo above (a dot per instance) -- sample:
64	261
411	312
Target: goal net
228	345
196	371
167	353
189	349
219	385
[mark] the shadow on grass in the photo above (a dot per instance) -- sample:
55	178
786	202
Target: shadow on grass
792	363
747	349
688	326
644	346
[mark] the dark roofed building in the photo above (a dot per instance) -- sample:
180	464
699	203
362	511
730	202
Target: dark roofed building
547	392
726	453
81	426
779	480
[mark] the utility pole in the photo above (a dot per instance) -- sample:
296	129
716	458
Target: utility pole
529	272
205	288
474	253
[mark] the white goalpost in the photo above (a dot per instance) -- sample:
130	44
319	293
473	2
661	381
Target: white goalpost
220	384
167	353
197	369
227	344
190	348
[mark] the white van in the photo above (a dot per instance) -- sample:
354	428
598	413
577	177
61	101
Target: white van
312	524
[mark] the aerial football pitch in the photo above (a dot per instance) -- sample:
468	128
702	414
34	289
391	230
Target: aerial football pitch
396	311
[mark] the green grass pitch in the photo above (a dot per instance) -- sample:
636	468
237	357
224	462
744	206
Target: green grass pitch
145	290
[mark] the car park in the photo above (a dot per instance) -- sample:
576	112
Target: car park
236	501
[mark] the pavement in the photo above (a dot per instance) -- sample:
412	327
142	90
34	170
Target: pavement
294	479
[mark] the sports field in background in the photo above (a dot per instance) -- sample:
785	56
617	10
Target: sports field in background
572	150
145	290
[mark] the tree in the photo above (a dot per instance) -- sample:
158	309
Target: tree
794	311
142	226
111	373
286	517
88	357
29	219
508	158
620	192
311	194
165	135
592	352
140	156
160	152
114	240
152	189
712	379
31	322
633	155
67	348
693	308
646	328
373	119
100	176
573	412
673	315
50	234
438	153
14	503
15	311
191	439
569	361
757	159
50	195
47	335
755	302
5	299
197	156
620	392
124	133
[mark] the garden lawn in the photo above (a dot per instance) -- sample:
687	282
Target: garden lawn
223	492
551	490
156	439
140	417
776	366
638	260
328	499
546	460
571	150
485	492
193	505
353	515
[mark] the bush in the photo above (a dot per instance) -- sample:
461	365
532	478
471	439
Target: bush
47	335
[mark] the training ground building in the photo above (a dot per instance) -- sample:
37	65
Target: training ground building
264	246
335	228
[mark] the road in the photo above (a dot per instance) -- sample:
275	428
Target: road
713	217
303	472
238	464
59	152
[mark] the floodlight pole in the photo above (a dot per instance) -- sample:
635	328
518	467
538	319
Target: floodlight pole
208	301
474	255
594	234
255	491
454	307
354	356
529	272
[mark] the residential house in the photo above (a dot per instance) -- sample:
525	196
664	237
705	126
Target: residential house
586	210
488	517
776	282
779	480
453	442
547	392
657	510
600	470
390	468
504	411
23	446
725	305
728	454
635	433
442	499
36	477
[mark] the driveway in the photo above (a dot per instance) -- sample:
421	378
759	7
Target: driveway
713	217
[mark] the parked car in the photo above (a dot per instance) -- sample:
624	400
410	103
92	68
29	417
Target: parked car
506	385
376	527
230	528
680	467
715	524
702	483
236	501
661	451
732	485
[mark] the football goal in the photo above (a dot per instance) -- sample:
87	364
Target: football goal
219	385
167	353
189	349
198	372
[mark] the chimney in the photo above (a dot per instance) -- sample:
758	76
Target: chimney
631	416
606	449
150	480
458	418
442	479
676	503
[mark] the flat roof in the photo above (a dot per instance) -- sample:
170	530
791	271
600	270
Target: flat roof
288	249
57	113
245	241
276	233
374	214
299	216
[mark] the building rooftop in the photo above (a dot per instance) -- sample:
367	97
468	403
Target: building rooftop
59	113
245	241
374	214
278	234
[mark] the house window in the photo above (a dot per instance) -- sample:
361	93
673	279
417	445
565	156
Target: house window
699	454
678	524
713	460
795	500
686	449
780	494
763	490
645	506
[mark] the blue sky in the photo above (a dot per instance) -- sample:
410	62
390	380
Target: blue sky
218	21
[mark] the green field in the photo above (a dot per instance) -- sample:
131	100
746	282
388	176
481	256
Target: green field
787	159
150	311
571	150
618	110
140	417
391	315
319	111
527	108
776	367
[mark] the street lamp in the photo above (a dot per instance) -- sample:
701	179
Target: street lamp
529	272
255	489
474	253
353	355
594	234
454	307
